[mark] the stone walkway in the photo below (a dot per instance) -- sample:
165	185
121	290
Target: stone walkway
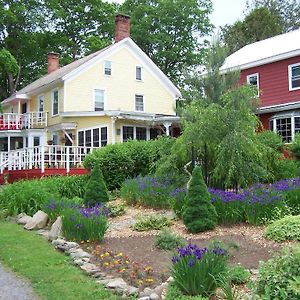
13	287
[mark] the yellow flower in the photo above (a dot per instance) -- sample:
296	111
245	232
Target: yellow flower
122	270
102	255
87	241
116	262
127	262
106	264
81	242
140	282
149	280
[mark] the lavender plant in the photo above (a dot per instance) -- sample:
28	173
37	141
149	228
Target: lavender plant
83	224
196	270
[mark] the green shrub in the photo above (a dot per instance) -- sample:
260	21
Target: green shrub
285	229
149	191
30	195
278	278
295	147
116	210
238	275
271	139
82	224
286	168
292	200
173	293
166	240
198	214
96	191
151	223
196	271
128	160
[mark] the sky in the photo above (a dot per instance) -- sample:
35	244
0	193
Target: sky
225	11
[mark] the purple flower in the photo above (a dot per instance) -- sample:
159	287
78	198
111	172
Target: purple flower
191	263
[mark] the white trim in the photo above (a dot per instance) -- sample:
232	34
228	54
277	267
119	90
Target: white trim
290	76
111	73
91	128
257	79
134	131
135	103
129	44
38	102
142	74
104	98
65	96
52	99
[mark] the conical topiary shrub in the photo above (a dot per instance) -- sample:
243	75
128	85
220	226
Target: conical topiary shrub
96	190
198	213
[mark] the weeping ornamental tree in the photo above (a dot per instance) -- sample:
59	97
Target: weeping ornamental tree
198	213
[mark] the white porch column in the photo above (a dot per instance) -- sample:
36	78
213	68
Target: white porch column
24	141
8	143
113	130
167	126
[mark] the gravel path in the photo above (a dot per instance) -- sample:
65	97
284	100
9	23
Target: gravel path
14	288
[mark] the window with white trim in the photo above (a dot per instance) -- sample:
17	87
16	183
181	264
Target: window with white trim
134	133
41	103
286	126
138	73
294	77
99	100
94	137
55	103
107	67
141	133
253	79
139	102
54	139
128	133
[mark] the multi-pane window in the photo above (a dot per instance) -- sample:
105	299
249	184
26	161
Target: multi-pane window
36	141
141	133
294	76
153	133
99	100
297	124
128	133
103	136
284	128
55	103
253	79
54	139
138	73
139	102
107	67
41	103
95	137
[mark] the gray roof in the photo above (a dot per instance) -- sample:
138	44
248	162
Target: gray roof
58	74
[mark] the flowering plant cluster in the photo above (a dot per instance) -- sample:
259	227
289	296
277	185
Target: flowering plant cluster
196	270
80	223
133	272
151	191
256	203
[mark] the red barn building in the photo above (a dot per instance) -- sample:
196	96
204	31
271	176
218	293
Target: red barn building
273	65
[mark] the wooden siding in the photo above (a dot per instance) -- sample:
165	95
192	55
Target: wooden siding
274	82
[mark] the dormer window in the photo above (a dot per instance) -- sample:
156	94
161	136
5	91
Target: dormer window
107	67
138	73
253	79
294	77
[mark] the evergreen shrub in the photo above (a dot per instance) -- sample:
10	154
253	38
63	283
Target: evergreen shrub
96	190
198	213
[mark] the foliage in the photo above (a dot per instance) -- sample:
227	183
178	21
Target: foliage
116	210
173	293
169	31
278	278
121	161
166	240
285	229
238	275
271	139
30	195
151	223
196	271
150	191
96	191
82	224
198	213
26	253
295	146
133	272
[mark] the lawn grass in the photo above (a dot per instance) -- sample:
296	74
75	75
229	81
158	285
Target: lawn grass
51	274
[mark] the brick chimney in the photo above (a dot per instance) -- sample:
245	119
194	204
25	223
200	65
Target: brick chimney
122	27
53	62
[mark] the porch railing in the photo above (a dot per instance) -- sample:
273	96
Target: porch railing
41	157
13	121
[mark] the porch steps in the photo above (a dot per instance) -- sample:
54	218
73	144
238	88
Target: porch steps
15	175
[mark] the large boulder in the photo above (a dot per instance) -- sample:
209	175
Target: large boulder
24	219
38	221
56	229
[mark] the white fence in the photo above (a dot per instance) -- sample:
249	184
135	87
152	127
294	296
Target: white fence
41	157
13	121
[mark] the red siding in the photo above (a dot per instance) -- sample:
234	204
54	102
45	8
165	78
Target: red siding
274	82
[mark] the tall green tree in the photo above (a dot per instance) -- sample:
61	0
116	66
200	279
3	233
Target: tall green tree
169	31
259	24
